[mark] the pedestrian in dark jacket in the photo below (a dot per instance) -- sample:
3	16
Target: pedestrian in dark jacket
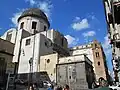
66	87
35	86
59	88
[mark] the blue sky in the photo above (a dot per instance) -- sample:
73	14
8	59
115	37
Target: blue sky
79	20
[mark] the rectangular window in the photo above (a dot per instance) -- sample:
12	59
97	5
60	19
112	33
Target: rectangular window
62	41
45	28
34	24
22	25
117	14
2	59
95	45
28	42
110	17
9	36
98	63
97	54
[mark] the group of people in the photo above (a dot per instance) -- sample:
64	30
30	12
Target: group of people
33	87
52	87
66	87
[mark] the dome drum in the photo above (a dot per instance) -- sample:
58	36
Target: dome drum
35	12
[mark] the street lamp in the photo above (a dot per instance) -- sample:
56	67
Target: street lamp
30	73
15	73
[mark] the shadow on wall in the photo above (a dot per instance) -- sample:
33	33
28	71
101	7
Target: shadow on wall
40	76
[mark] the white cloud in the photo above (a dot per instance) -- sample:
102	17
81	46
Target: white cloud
98	29
77	19
72	40
89	34
15	17
76	41
32	2
46	6
93	17
108	51
83	24
106	45
106	42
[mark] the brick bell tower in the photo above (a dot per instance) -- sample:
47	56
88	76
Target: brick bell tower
100	64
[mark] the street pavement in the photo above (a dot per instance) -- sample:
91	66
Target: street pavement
23	88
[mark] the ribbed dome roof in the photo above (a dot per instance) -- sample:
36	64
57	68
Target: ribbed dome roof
35	12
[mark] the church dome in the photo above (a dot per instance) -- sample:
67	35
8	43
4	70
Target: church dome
34	12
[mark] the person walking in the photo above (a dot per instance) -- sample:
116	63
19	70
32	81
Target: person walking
35	86
66	87
31	88
55	86
60	88
51	87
